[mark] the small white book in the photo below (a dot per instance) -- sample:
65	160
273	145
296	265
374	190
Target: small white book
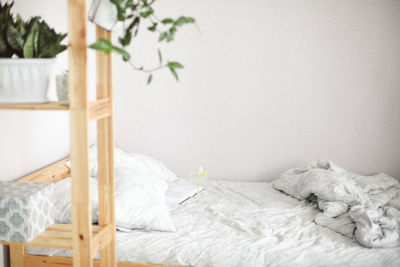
178	193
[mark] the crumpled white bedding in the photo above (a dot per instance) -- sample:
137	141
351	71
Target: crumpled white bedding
238	224
366	207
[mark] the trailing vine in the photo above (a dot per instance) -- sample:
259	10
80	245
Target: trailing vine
132	13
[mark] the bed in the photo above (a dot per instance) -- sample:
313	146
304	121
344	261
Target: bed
237	224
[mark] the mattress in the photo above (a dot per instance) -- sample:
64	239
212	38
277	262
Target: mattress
244	224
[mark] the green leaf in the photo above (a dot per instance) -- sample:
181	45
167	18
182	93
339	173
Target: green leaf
147	13
129	3
6	18
174	65
159	56
36	44
174	73
107	47
184	20
120	9
150	78
170	36
125	55
20	25
163	36
167	21
127	38
15	38
48	43
153	27
102	45
28	49
4	52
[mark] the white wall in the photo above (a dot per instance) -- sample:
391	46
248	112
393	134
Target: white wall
269	85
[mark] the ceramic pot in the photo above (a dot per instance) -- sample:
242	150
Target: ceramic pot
25	80
62	87
103	13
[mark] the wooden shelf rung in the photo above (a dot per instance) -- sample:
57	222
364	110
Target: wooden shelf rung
51	241
37	106
99	109
60	236
102	238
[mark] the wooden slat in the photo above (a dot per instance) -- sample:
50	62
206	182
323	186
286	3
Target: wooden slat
49	174
68	228
38	106
45	261
17	252
105	140
99	109
61	227
60	236
79	117
51	241
101	239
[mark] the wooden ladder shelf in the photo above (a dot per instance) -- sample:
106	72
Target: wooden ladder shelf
84	239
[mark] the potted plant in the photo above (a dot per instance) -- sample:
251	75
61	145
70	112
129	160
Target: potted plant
132	14
27	57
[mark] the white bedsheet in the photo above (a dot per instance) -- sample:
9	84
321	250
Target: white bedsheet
245	224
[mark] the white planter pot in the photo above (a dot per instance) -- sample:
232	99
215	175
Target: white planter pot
103	13
24	80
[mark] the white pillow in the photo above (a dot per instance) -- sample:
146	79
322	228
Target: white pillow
140	202
63	200
132	161
147	163
179	192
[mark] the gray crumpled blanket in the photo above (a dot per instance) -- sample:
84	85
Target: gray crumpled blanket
364	207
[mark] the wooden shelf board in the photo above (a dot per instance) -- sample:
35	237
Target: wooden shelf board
99	109
58	236
37	106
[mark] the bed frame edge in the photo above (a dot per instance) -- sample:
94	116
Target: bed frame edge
49	174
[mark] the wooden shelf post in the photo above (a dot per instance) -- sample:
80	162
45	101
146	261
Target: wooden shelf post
84	239
105	149
79	117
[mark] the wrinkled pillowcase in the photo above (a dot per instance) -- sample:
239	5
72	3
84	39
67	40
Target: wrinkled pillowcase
140	202
63	200
132	161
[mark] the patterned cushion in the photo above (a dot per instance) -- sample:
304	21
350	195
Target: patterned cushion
26	210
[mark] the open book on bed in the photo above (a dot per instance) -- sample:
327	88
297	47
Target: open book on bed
178	193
